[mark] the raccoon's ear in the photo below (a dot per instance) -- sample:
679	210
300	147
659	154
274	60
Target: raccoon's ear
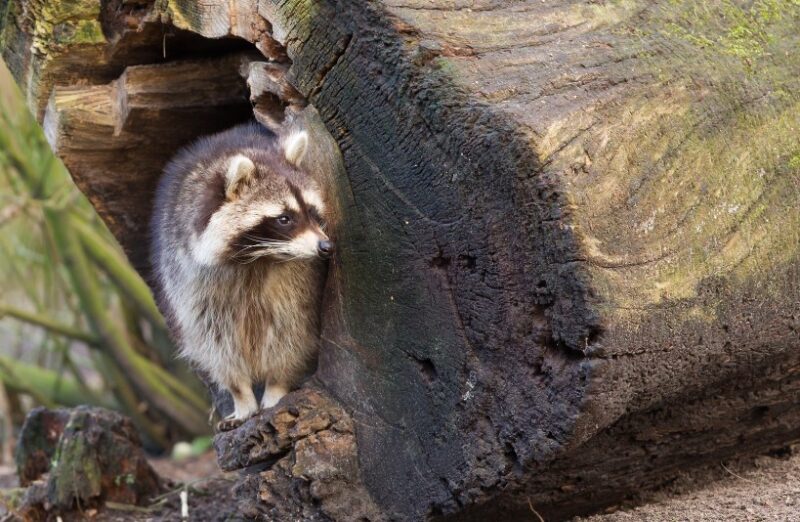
240	169
294	147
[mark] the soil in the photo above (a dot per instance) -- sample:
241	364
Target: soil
762	488
208	489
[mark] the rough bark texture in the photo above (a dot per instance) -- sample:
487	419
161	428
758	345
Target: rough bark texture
568	230
303	460
80	458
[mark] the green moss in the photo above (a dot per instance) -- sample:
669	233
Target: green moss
679	31
744	30
78	469
182	14
127	478
709	177
82	32
5	18
445	66
728	149
298	17
12	498
723	203
59	24
69	11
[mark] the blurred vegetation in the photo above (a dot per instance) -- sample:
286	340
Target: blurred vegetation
77	323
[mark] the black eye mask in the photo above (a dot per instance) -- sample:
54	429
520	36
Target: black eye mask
313	213
279	228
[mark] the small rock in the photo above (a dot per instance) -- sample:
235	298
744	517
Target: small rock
182	450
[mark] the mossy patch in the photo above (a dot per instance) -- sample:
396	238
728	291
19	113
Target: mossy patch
182	14
12	498
70	22
695	174
297	17
5	17
705	192
82	32
741	29
794	162
675	163
127	479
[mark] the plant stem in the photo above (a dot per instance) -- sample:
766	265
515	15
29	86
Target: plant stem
48	324
120	272
46	385
142	372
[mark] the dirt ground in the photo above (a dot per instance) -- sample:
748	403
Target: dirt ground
208	495
764	488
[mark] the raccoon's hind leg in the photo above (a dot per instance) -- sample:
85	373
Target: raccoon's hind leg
272	394
244	405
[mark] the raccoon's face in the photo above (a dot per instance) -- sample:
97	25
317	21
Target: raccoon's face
269	210
290	227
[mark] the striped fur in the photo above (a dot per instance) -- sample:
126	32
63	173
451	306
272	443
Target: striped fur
236	234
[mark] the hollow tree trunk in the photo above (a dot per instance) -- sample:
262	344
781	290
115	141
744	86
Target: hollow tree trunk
568	230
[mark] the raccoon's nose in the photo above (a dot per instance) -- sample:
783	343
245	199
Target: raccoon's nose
325	248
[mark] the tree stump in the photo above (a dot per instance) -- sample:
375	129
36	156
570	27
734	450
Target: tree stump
568	230
78	459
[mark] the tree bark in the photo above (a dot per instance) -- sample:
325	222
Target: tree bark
80	458
568	230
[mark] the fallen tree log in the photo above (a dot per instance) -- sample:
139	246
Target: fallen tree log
568	230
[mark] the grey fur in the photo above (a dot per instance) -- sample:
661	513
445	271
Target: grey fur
244	308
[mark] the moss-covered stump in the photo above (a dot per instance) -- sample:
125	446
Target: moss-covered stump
80	458
37	443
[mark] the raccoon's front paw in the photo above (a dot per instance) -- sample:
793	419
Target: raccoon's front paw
229	423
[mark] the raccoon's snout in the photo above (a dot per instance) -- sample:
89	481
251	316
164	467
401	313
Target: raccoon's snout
325	248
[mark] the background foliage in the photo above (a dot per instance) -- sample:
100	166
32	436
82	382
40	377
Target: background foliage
77	323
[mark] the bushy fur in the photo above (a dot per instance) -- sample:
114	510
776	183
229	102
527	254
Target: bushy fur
240	289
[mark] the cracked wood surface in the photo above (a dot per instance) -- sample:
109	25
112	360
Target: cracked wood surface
568	230
652	253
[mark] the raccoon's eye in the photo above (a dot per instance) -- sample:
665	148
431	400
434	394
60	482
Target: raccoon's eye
283	220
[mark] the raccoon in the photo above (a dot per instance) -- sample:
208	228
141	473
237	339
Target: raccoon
238	253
